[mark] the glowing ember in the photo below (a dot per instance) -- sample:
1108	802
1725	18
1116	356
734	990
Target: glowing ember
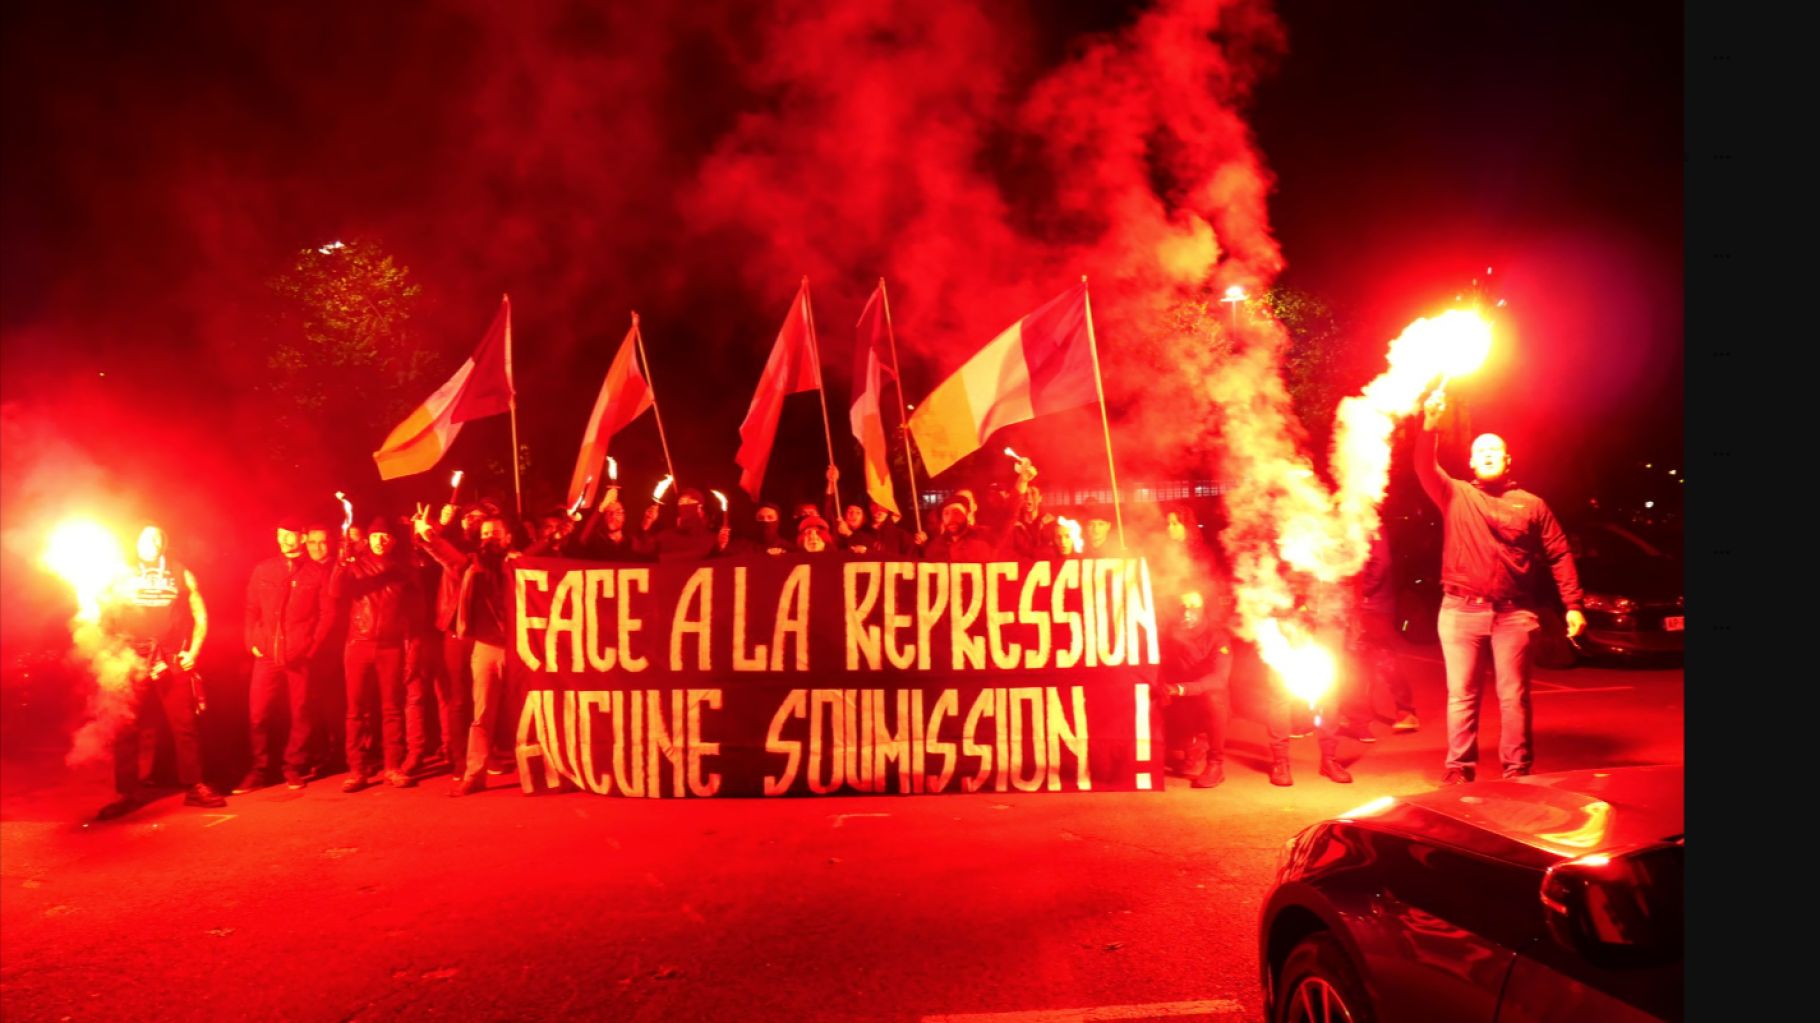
85	555
1306	668
663	487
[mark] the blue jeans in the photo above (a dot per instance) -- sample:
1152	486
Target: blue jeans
1466	628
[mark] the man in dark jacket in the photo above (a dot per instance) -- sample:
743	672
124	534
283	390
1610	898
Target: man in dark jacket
159	615
690	539
288	611
1195	675
1497	538
482	616
380	590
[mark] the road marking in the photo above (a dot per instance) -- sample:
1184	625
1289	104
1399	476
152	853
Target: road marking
1149	1010
220	818
841	818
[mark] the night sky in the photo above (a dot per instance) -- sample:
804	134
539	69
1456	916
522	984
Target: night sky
165	160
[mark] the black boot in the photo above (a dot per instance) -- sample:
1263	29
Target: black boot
1332	768
1279	770
1211	775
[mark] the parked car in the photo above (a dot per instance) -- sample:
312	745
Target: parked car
1635	604
1555	898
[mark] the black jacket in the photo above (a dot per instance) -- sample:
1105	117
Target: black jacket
383	597
289	610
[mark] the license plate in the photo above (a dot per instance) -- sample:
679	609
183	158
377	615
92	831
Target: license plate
1675	624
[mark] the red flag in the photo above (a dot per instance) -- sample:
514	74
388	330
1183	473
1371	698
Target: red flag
489	389
623	396
481	387
865	417
789	370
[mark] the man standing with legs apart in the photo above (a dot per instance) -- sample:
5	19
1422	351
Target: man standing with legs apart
1497	537
382	596
159	615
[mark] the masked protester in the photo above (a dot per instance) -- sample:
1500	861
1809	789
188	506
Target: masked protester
482	610
555	536
288	613
382	597
691	539
157	612
958	540
1501	545
1196	677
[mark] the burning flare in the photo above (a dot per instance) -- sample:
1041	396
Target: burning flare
85	555
663	487
1306	668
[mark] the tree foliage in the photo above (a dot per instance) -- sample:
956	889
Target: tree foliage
344	364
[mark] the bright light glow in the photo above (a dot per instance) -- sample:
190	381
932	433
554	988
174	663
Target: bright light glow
1371	809
1456	342
722	498
86	555
612	469
1649	504
347	511
1306	668
1014	456
663	487
331	247
1235	293
1072	528
455	478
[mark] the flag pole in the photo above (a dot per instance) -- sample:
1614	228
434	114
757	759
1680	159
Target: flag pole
820	390
1100	388
903	413
638	332
518	493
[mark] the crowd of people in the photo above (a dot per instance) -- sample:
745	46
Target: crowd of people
380	653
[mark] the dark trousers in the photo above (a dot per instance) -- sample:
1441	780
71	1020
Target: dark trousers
328	709
271	689
424	667
168	696
1375	646
1208	712
375	676
455	688
1278	706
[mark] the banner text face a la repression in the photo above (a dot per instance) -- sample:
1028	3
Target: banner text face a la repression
821	676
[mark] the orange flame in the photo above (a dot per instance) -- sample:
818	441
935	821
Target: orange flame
663	487
86	556
1307	669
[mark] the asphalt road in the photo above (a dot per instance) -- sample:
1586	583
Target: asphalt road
990	908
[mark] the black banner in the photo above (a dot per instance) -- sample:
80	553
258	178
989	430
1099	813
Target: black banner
818	676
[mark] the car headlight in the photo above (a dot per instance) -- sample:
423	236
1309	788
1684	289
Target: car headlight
1607	602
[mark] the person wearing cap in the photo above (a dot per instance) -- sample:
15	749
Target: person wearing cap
383	597
958	540
288	612
159	615
813	535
